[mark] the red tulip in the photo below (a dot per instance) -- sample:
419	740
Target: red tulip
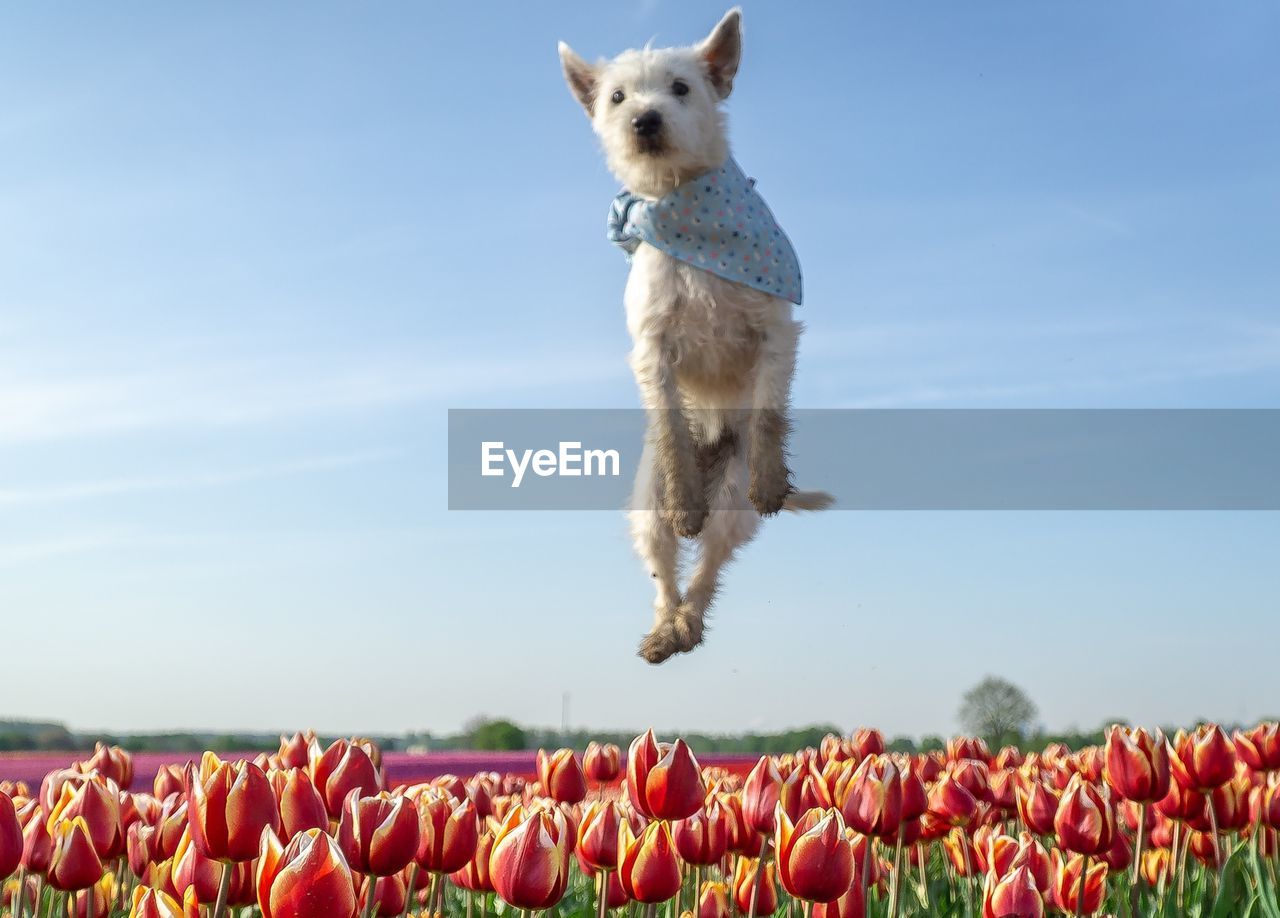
10	838
170	828
760	795
598	835
103	895
1085	823
967	748
1015	895
37	843
1269	805
867	741
663	780
1180	804
389	895
1259	748
378	835
300	804
449	831
561	776
746	876
474	875
703	838
309	878
602	762
140	847
815	859
529	865
74	863
647	866
295	751
111	762
1137	764
1204	759
340	769
951	801
871	799
169	780
229	804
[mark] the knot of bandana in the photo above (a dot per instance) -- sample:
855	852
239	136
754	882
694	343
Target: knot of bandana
717	222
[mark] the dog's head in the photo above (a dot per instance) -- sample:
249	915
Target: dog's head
657	111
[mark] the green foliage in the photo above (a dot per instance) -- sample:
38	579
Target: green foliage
497	735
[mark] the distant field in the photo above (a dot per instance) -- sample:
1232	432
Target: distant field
402	767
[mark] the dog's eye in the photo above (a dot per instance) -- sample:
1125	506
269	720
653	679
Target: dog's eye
680	88
618	96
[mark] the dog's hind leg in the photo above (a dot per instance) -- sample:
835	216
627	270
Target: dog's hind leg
732	523
770	480
658	546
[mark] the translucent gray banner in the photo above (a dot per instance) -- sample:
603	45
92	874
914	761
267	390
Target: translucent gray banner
1035	459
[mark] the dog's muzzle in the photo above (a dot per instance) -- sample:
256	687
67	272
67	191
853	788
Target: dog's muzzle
647	127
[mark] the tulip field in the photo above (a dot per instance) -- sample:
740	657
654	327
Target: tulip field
1143	825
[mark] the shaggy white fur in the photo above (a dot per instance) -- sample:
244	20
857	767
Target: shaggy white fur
713	359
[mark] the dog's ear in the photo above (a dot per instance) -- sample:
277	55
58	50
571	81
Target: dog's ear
722	50
580	76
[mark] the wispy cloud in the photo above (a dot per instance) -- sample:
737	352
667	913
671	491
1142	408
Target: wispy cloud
38	407
111	487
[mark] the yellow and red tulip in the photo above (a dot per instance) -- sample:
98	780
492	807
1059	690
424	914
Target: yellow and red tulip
96	799
10	837
1066	884
815	858
951	802
746	876
300	804
713	900
1203	759
153	903
529	864
74	863
648	868
871	799
228	806
308	878
1015	894
1259	748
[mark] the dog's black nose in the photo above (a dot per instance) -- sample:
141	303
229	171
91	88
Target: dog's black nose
647	124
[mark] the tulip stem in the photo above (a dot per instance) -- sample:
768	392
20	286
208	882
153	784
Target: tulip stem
1084	875
893	881
370	896
20	896
411	891
224	890
755	887
1182	868
88	901
432	892
1137	858
1213	829
923	851
602	894
1171	864
967	880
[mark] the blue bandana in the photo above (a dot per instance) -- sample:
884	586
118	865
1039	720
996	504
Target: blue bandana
717	222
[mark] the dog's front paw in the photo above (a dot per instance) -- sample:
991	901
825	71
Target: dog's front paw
687	627
660	644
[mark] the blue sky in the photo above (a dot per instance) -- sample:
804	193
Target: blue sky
249	257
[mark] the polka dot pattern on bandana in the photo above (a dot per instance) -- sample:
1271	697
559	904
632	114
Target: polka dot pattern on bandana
717	222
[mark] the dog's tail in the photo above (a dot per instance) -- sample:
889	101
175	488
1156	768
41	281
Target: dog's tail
798	501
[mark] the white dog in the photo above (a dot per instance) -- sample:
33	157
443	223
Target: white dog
709	307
